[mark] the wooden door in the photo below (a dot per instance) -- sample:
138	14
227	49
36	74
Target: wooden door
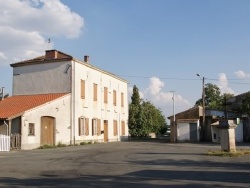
47	131
105	137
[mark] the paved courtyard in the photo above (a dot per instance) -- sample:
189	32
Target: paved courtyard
124	164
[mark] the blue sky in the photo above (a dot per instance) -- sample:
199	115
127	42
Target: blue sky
158	45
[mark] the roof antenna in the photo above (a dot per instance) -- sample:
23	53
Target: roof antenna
48	44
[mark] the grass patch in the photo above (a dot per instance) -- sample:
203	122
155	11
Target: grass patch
61	145
237	153
46	147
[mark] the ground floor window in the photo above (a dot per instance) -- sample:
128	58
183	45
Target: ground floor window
83	126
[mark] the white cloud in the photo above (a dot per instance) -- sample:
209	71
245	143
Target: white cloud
25	25
242	74
155	86
163	100
223	84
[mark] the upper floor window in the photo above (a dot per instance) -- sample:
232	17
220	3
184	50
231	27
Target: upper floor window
105	95
83	89
114	97
122	99
95	92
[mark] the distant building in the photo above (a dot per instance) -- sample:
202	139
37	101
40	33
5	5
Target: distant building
188	125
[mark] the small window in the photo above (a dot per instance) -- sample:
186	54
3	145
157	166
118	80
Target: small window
82	89
31	129
122	99
114	97
105	95
115	127
95	92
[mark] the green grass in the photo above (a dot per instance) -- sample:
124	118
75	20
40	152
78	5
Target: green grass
237	153
46	147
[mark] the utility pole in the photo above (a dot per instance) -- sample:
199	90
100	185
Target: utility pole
174	115
203	99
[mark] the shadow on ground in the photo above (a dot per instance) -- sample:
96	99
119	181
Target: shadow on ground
143	178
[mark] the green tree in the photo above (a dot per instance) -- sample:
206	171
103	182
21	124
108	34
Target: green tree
144	117
154	118
245	105
135	98
213	98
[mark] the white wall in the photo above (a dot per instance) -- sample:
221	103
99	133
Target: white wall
215	134
239	132
60	110
183	133
98	109
41	78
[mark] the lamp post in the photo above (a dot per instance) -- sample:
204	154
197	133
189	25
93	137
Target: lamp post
174	115
203	99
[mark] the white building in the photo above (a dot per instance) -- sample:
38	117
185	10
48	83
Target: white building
93	106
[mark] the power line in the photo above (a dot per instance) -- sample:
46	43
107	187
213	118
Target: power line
189	79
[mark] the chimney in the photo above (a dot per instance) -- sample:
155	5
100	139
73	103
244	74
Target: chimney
51	54
2	93
86	59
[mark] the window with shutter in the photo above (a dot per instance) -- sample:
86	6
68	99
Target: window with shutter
82	89
115	127
122	99
105	95
114	97
98	127
95	92
86	126
123	128
94	127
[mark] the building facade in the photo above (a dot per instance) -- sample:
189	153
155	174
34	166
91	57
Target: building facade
98	105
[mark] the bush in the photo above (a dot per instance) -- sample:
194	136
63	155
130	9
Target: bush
61	144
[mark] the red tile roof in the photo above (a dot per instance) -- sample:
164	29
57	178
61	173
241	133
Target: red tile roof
15	105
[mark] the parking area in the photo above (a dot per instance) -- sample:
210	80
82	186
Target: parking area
124	164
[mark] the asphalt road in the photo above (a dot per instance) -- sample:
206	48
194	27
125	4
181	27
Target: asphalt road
124	164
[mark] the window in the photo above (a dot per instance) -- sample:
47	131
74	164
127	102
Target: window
115	127
123	128
95	92
82	89
105	95
98	127
83	126
114	97
122	99
94	127
31	129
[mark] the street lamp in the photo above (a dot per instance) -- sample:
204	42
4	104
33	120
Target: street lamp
203	99
174	114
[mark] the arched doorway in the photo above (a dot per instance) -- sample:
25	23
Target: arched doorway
47	130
